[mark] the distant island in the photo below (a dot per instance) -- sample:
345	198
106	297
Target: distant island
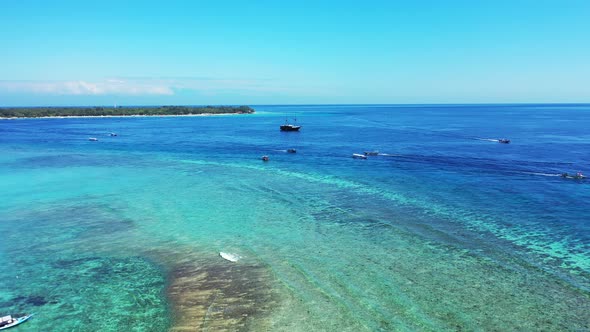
41	112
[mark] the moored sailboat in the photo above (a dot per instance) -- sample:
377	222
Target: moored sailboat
290	127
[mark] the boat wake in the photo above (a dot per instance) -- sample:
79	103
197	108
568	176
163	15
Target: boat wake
498	166
486	139
541	174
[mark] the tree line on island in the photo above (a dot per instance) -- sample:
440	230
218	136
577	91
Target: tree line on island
37	112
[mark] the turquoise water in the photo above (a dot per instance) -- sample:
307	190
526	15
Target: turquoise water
446	230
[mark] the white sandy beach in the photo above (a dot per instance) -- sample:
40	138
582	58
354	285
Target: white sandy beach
119	116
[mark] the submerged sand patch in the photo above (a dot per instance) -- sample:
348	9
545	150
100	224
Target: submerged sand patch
218	296
208	293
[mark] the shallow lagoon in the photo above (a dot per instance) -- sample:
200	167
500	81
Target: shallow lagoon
444	232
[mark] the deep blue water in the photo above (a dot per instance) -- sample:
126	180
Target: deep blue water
440	177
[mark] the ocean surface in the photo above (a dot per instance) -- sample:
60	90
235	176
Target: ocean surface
445	230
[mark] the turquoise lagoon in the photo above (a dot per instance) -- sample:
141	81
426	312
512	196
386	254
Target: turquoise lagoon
446	230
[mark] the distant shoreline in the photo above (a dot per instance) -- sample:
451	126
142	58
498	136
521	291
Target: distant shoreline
117	116
9	113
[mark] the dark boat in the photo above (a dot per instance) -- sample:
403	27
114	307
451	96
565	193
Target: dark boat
577	176
291	151
265	158
289	127
504	141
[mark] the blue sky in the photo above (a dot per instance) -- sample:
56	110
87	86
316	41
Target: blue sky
300	52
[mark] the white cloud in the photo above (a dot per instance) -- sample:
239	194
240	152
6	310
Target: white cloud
106	87
143	86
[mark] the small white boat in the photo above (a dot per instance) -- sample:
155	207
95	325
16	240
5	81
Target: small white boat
8	321
577	176
229	256
92	139
359	156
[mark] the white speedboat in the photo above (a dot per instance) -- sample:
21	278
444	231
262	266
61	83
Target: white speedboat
359	156
577	176
8	321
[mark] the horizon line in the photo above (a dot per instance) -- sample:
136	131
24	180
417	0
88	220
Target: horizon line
318	104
